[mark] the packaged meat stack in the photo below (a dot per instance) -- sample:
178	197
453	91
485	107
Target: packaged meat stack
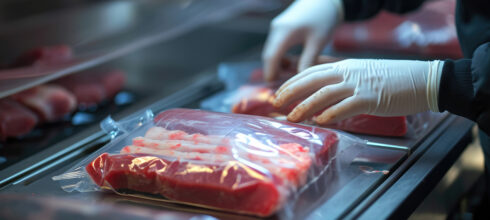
236	163
428	32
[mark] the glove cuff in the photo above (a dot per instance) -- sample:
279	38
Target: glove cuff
433	82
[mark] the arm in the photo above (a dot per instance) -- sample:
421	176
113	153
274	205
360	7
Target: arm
355	10
465	87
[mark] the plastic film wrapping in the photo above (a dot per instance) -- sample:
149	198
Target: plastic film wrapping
236	163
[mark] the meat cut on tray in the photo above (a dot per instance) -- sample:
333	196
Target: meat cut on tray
50	102
238	163
92	88
15	119
257	100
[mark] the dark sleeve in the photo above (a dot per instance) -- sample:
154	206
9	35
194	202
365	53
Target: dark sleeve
355	10
465	87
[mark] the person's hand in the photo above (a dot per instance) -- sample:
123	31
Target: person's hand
307	22
362	86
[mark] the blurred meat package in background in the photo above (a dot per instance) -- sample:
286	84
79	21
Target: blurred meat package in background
428	32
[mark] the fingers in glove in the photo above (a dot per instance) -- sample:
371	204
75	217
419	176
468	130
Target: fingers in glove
276	47
321	99
305	86
309	56
346	108
307	72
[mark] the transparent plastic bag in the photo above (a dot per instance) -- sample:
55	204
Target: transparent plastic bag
247	94
429	32
238	163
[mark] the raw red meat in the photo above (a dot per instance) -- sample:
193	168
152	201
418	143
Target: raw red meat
91	88
50	102
257	100
244	164
44	56
15	119
374	125
256	197
429	32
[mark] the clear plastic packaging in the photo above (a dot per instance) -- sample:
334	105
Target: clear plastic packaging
429	32
237	163
247	94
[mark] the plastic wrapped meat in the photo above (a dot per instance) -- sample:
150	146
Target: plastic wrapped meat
44	56
239	163
257	100
50	102
15	119
429	32
92	88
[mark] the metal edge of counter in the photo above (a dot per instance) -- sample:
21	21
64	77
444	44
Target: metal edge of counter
403	191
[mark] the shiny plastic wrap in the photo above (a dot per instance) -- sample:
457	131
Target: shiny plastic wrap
237	163
429	32
245	94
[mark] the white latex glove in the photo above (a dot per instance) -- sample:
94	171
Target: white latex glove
307	22
362	86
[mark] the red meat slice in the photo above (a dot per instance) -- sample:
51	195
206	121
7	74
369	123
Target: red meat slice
92	88
50	102
15	119
203	165
374	125
44	56
257	100
428	32
218	189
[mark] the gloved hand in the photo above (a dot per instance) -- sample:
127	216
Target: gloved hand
362	86
310	22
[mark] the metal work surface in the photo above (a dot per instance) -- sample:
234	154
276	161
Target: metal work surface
402	192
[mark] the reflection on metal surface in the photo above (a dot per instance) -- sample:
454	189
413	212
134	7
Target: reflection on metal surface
371	170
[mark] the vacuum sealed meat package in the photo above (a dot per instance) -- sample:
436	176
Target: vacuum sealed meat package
428	32
247	95
237	163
